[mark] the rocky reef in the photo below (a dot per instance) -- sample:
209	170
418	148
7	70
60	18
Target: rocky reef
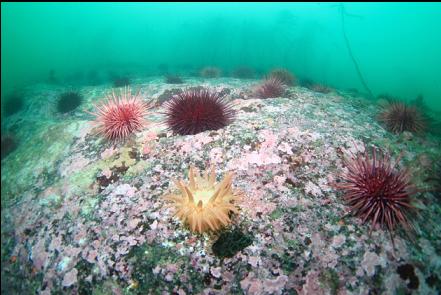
82	215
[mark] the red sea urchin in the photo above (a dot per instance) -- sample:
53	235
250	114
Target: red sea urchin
196	110
121	115
270	88
376	191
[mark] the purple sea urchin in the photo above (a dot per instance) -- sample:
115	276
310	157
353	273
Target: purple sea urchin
196	110
399	117
12	104
270	88
284	76
69	101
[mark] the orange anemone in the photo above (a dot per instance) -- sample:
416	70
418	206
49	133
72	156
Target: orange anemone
204	204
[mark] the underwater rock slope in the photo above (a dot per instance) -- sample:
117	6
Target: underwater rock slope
84	215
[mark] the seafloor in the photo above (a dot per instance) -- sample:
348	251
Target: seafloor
81	216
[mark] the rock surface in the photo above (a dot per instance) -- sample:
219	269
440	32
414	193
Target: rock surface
80	214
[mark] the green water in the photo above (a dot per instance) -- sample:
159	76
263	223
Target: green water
397	45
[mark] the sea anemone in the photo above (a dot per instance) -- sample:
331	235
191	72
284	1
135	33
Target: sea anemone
376	191
204	204
68	101
121	115
270	88
284	76
210	72
399	117
196	110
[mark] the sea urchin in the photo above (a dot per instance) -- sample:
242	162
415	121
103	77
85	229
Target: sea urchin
376	191
399	117
121	115
204	204
13	104
284	76
69	101
270	88
196	110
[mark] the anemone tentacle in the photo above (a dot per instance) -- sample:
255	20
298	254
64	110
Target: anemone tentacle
204	204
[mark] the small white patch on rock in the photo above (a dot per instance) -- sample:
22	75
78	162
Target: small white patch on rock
124	190
254	261
338	241
370	261
70	278
215	272
154	225
63	263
